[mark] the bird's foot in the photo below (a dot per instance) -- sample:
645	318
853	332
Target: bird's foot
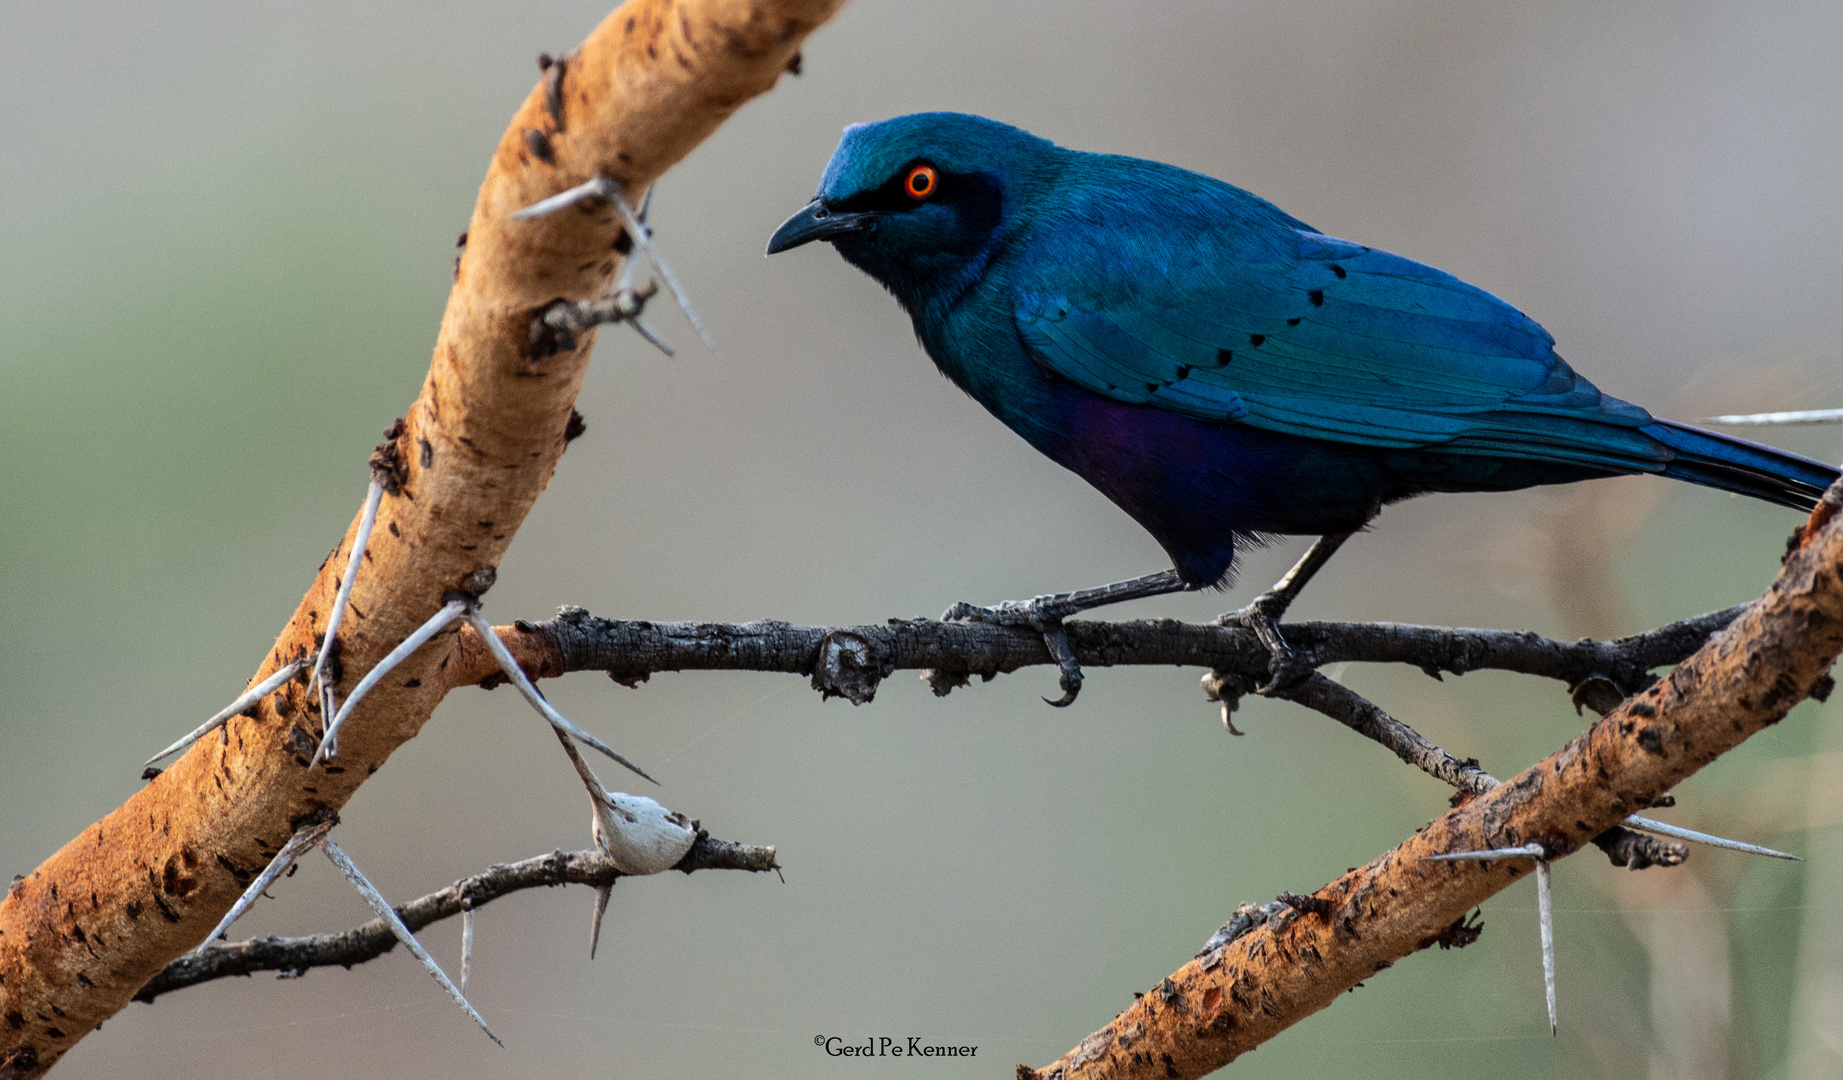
1044	614
1262	615
1036	612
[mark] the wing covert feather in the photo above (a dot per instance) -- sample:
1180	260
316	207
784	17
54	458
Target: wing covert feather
1341	342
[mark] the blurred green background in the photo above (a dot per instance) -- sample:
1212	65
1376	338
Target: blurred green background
225	240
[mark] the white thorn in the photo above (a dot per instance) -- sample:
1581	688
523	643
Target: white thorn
366	520
644	240
1643	824
601	828
1807	416
385	912
450	611
1527	851
595	917
593	188
1545	909
467	941
509	665
250	697
302	840
650	335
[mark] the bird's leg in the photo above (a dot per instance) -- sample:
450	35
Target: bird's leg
1262	614
1055	607
1044	614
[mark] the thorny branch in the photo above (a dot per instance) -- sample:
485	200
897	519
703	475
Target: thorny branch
295	955
1303	954
852	661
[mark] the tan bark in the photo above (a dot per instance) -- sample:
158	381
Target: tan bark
1747	677
80	934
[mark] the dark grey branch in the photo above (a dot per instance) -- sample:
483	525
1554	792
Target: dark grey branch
373	939
850	661
1363	716
1623	846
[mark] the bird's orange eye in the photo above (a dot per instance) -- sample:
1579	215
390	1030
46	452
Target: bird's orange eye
920	181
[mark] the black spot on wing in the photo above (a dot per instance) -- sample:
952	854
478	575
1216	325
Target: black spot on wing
1256	339
1317	296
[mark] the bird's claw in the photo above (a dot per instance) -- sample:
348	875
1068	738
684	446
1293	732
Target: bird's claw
1044	614
1284	668
1038	613
1057	640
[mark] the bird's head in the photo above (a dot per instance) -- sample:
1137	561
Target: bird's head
917	201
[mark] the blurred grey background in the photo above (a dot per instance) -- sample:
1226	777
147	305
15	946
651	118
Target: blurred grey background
225	240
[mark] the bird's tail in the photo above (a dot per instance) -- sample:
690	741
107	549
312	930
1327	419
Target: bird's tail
1745	468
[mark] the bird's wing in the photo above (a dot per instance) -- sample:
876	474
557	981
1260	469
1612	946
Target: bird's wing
1340	342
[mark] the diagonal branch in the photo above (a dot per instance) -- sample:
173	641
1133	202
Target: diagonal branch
1622	845
460	473
1367	719
1242	993
295	956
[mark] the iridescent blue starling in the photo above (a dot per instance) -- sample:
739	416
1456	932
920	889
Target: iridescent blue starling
1218	368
